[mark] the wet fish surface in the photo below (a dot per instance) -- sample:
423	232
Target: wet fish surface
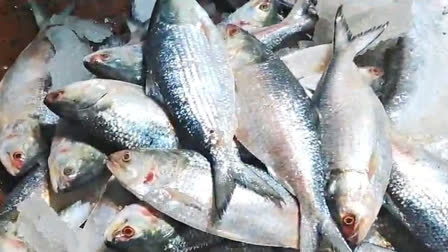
186	59
118	113
179	184
353	120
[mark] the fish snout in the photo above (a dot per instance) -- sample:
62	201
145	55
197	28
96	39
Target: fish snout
54	97
99	58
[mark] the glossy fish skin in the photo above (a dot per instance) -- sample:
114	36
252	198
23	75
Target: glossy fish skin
253	15
117	113
187	60
418	194
21	92
35	182
353	120
119	63
415	72
179	184
139	227
289	133
73	161
301	19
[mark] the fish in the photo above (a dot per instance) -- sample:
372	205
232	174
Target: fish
139	227
117	113
199	93
417	193
369	247
123	63
416	81
301	19
33	183
353	120
277	123
179	184
253	15
73	161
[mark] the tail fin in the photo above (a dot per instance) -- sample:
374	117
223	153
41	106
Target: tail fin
343	39
40	13
138	30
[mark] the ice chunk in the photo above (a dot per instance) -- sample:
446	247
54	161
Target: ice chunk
84	28
76	214
66	66
43	230
142	9
362	15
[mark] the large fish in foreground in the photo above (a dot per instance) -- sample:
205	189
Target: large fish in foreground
354	133
418	193
187	60
179	184
277	123
117	113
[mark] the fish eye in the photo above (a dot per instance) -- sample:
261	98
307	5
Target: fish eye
18	156
348	220
263	7
126	157
232	30
69	171
128	232
104	56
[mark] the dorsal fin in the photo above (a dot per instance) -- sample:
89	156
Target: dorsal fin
40	13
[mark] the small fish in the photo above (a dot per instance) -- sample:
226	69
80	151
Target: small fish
253	15
418	193
353	120
139	227
199	92
117	113
179	184
277	123
73	161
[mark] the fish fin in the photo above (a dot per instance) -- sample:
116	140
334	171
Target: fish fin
329	230
138	30
152	90
67	11
184	198
223	185
343	39
373	164
40	13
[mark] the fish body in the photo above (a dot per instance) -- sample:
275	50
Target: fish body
288	141
179	184
73	162
117	113
139	227
353	120
417	79
418	195
187	60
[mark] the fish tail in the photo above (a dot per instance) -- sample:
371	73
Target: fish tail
228	173
40	13
343	40
137	29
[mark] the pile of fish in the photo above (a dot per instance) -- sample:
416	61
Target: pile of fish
229	126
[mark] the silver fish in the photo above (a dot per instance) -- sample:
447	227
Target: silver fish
179	184
287	142
117	113
187	60
418	193
73	162
353	120
139	227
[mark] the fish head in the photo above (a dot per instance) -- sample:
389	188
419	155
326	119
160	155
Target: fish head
22	145
257	13
74	100
138	226
116	63
242	48
371	73
72	163
354	204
